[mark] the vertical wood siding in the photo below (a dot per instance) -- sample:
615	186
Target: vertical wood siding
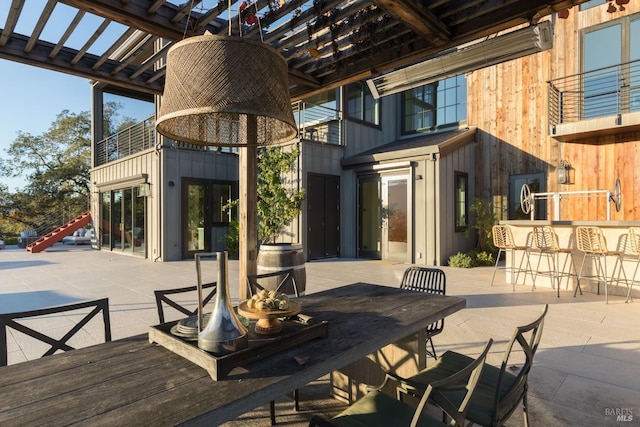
508	104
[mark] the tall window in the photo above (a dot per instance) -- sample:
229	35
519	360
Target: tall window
361	105
609	86
435	105
461	208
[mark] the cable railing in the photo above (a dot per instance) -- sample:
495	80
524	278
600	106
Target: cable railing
315	123
609	91
319	123
126	142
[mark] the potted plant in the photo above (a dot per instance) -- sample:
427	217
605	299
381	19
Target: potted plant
278	204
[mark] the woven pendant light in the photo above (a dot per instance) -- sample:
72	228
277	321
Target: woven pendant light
215	83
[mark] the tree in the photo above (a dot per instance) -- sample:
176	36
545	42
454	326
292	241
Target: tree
278	201
56	167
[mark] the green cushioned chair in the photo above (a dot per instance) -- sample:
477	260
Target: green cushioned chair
379	409
500	390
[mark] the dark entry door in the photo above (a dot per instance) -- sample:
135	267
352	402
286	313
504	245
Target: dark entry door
323	216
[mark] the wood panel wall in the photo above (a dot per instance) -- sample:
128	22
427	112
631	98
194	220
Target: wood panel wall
508	104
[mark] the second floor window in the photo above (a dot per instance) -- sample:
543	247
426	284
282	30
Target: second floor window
434	105
361	105
609	86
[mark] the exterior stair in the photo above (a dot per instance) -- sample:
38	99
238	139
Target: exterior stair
59	233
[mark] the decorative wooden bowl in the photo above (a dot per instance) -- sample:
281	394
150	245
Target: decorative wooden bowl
268	321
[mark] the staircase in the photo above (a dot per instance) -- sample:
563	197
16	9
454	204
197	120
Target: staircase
59	233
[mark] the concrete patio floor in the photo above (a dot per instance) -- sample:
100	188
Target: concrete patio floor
586	370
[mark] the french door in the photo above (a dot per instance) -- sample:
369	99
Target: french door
384	217
123	221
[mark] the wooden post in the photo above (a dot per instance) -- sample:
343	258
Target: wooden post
248	207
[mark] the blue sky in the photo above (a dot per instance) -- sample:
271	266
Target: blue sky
31	97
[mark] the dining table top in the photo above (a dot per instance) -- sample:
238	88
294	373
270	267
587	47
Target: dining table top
133	380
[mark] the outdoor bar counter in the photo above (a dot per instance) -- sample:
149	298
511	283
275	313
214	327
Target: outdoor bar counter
615	233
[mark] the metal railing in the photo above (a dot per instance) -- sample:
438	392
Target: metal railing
609	91
315	123
319	123
126	142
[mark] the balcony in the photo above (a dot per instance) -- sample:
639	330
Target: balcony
319	123
315	123
596	103
126	142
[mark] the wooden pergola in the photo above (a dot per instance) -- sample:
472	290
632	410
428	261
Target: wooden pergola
326	43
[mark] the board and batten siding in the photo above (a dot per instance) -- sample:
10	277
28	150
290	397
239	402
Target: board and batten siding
508	104
450	240
127	173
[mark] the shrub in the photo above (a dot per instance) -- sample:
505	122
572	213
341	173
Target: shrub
461	260
485	259
471	259
483	223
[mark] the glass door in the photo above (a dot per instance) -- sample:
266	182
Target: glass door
370	230
195	219
123	221
395	214
116	221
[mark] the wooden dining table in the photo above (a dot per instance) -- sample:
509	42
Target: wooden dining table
133	381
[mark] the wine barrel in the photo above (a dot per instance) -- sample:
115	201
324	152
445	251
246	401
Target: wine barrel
283	256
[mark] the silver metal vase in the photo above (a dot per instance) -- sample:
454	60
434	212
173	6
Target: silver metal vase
224	333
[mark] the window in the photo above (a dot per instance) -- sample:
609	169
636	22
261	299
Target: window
434	105
360	103
220	197
592	3
461	208
610	88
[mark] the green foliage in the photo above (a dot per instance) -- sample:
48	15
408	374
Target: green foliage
461	260
483	222
278	200
471	259
232	239
485	259
11	241
56	168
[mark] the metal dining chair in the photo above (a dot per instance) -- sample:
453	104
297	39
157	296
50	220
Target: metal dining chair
500	389
452	394
14	321
546	243
504	241
162	299
433	281
281	281
593	245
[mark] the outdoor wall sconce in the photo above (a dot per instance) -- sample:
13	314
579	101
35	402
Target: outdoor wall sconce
562	172
144	190
171	183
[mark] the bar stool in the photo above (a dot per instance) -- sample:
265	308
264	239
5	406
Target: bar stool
633	250
546	242
592	243
503	240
